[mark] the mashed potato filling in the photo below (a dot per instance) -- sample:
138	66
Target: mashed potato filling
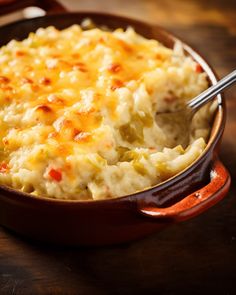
77	113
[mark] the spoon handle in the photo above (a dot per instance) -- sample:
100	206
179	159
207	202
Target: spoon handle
209	93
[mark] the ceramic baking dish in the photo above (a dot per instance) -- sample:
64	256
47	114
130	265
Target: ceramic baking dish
126	218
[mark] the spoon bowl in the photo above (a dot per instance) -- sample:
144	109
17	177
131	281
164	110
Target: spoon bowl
181	121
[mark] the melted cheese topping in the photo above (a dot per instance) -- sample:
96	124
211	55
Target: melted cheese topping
78	112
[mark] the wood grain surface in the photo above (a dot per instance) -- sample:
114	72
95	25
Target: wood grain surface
195	257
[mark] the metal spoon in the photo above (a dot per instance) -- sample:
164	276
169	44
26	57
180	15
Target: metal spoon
182	118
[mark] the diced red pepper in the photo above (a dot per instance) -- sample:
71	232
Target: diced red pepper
55	174
116	84
114	68
44	108
20	53
3	167
198	69
45	81
4	79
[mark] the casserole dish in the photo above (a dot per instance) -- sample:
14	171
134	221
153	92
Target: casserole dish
125	218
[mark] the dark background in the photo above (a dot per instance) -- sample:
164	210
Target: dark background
195	257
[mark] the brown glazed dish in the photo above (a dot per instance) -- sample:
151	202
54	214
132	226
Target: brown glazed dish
127	218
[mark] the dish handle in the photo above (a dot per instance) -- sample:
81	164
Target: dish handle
50	6
196	202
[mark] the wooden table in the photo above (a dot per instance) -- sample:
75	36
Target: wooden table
195	257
